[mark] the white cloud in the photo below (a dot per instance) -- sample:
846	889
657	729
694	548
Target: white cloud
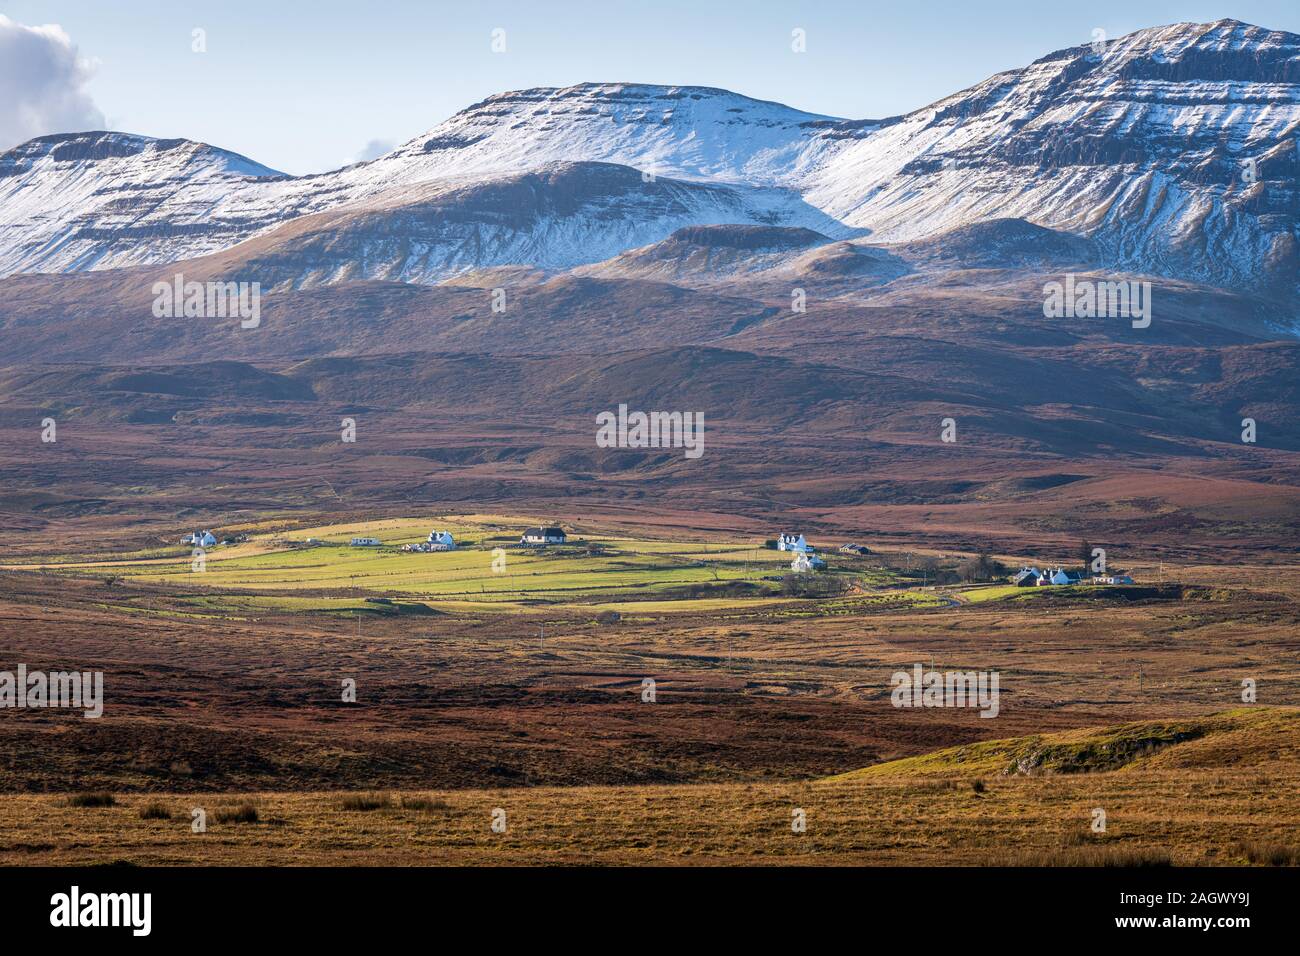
42	84
373	150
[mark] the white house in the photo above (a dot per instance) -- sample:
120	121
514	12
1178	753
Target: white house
365	542
1058	576
541	537
1026	577
200	539
792	542
442	541
803	561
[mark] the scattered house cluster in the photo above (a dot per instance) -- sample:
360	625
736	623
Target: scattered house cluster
437	541
541	537
365	542
805	555
1032	577
200	539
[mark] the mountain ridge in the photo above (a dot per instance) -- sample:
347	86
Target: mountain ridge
1138	148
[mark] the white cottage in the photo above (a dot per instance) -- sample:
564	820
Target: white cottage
792	542
804	562
441	541
541	537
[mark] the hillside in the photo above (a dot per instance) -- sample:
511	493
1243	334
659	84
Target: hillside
1247	738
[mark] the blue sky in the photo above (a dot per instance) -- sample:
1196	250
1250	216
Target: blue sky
305	87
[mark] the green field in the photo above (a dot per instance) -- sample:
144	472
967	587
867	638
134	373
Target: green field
486	569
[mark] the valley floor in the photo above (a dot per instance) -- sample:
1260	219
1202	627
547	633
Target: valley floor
218	697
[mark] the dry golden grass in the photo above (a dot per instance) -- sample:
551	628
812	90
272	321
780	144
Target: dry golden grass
1191	818
1157	813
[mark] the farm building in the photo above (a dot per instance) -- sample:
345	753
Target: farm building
365	542
541	537
1057	576
792	542
804	562
854	549
1026	577
441	541
200	539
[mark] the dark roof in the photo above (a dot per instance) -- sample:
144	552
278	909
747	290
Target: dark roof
545	532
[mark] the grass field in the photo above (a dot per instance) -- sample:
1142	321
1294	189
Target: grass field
1226	793
486	568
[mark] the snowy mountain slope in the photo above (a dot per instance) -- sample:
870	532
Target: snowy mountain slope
687	132
69	209
1139	148
100	199
552	217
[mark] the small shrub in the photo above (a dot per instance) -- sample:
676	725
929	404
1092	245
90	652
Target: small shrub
92	800
155	811
244	813
977	786
363	802
608	617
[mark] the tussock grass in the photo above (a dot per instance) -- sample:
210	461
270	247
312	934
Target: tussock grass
1135	857
243	813
155	811
365	802
1270	854
99	799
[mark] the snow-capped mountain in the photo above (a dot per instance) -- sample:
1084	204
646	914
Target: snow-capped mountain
1140	147
96	200
550	217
